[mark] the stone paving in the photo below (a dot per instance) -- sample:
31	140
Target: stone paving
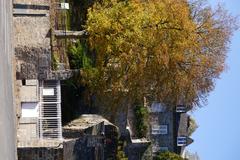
7	116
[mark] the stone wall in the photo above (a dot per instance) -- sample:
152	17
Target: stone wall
27	129
29	92
90	137
38	2
43	153
32	39
63	74
32	62
87	147
84	148
32	31
138	152
167	140
45	149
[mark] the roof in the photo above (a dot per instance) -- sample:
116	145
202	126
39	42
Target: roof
182	129
41	143
87	120
189	141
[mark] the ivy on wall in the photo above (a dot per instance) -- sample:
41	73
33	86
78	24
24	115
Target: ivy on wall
141	115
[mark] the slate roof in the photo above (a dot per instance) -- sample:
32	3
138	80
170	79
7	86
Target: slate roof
183	121
182	129
86	121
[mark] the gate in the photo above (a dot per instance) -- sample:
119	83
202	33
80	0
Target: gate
50	122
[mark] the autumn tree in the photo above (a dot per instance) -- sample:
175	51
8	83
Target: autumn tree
173	50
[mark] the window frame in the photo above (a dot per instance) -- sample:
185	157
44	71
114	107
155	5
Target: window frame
181	141
161	129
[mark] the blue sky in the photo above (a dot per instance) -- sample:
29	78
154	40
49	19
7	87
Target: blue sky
218	135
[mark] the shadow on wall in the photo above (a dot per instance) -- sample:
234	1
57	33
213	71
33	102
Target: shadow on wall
74	102
79	10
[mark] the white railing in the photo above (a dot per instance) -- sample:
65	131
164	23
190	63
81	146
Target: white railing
50	121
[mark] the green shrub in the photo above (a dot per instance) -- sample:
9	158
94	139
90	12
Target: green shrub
120	151
55	61
141	115
168	156
78	58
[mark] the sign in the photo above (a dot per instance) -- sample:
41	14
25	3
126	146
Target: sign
64	5
48	92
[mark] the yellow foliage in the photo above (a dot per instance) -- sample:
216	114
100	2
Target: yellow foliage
171	49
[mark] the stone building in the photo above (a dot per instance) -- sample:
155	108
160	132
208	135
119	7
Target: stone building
38	96
169	128
40	34
90	137
38	86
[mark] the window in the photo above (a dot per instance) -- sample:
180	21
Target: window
155	129
23	82
157	107
181	109
162	149
154	120
159	129
30	110
163	129
181	141
155	148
